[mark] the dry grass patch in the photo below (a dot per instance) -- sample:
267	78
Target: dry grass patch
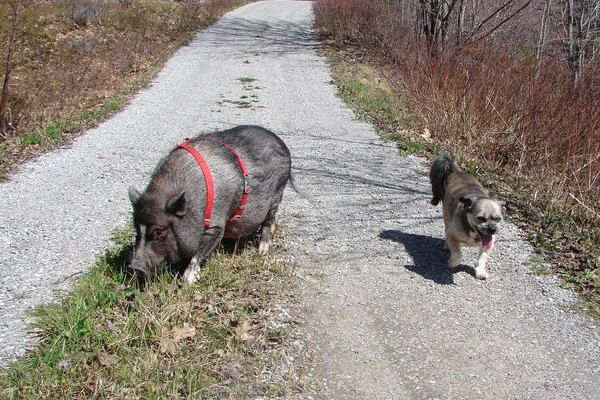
77	62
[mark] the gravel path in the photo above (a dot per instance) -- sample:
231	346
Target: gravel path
383	318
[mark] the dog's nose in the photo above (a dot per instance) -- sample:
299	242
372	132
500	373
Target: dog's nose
491	229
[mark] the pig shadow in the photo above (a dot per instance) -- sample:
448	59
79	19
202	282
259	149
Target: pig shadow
429	256
237	246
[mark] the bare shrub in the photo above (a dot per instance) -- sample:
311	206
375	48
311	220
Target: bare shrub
63	70
85	16
488	96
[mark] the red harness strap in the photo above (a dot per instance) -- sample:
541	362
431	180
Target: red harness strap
210	192
237	214
210	187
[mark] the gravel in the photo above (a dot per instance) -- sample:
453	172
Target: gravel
382	318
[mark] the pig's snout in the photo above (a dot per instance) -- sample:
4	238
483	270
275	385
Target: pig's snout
137	267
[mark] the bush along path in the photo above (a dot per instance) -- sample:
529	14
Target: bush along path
381	317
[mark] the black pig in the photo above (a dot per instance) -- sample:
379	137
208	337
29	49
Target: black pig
170	215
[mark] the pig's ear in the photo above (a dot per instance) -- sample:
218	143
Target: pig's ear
177	205
134	195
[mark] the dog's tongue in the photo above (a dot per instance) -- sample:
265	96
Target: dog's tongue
486	241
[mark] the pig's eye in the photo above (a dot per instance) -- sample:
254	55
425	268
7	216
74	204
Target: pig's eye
159	234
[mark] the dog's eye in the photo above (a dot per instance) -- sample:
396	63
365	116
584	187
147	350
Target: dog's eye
481	219
496	219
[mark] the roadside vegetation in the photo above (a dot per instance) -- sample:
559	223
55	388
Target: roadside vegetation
112	339
69	64
511	88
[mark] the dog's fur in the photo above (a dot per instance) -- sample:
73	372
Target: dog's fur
471	217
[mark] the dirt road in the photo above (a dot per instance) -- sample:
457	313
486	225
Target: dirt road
382	317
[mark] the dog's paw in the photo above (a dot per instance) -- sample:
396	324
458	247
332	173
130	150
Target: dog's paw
454	261
481	274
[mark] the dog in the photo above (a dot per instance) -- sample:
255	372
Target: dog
471	217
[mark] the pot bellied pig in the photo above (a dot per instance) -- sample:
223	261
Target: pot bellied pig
225	184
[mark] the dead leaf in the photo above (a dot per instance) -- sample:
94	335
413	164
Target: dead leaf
182	333
107	360
220	353
151	358
241	331
167	345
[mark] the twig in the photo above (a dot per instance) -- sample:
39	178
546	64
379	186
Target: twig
597	215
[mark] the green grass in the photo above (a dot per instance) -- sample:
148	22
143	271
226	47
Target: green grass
247	79
379	104
111	339
56	132
374	100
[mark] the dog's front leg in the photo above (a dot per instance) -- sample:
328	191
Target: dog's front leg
455	253
484	254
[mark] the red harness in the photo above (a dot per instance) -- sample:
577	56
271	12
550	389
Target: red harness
210	189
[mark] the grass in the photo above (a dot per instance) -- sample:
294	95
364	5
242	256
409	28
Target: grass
111	339
56	132
247	79
366	90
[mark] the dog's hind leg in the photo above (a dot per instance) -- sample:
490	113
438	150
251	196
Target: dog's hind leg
455	253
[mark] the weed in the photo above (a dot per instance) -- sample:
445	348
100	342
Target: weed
250	87
244	102
30	139
538	266
3	158
246	79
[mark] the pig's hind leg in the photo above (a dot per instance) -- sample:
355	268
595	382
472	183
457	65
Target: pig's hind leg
266	230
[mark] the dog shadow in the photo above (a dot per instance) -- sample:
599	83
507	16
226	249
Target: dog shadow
429	256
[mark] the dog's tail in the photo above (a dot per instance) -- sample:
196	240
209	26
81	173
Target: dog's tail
441	168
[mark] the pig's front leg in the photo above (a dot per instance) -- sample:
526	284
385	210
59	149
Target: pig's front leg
190	275
210	240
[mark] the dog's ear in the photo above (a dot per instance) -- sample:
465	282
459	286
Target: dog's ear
467	202
503	207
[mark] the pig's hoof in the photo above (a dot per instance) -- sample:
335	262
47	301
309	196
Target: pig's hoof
190	275
263	248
